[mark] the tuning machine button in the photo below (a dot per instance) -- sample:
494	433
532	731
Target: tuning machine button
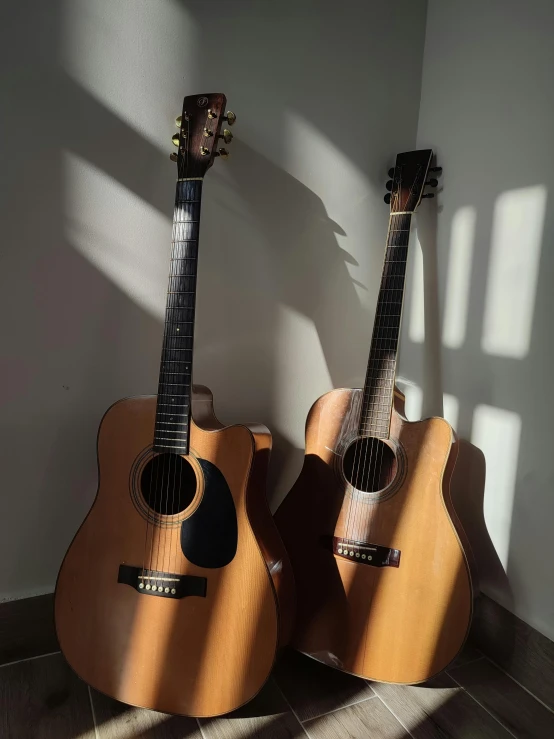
223	153
178	121
230	117
227	136
433	182
391	172
173	156
175	139
387	198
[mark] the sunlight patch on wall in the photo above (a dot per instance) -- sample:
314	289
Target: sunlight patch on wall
414	400
497	433
462	239
417	308
451	409
513	270
117	232
131	57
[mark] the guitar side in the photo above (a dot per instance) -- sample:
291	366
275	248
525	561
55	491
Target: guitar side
197	655
395	624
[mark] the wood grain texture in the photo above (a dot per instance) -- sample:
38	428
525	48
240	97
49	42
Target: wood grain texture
393	624
42	698
313	689
115	720
518	711
439	710
367	720
27	628
266	717
519	649
194	656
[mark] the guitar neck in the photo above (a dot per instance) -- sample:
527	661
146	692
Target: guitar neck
175	383
378	392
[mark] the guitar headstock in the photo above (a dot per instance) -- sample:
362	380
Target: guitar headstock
408	180
199	133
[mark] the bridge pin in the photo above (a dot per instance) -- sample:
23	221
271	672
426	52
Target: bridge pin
351	554
363	556
154	588
166	590
339	551
357	554
369	556
141	585
148	586
173	591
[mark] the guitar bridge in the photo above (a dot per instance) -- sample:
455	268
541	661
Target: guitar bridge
163	584
366	554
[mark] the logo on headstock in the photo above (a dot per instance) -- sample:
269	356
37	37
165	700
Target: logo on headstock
202	102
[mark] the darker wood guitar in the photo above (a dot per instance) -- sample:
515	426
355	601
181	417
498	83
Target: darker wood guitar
177	592
383	580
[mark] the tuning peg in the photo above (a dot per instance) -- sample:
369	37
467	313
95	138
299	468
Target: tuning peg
387	198
178	121
391	172
227	136
230	117
428	195
173	156
432	182
176	138
438	170
223	153
389	185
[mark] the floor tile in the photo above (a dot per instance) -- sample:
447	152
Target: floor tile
313	689
367	720
43	699
468	654
439	709
267	716
116	720
518	711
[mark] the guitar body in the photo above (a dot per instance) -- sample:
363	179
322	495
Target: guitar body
209	652
399	624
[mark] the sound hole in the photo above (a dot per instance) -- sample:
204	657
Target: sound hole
369	464
168	484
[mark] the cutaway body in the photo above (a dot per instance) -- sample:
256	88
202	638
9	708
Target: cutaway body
208	648
383	583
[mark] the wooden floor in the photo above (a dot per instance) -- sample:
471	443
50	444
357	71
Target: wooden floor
40	698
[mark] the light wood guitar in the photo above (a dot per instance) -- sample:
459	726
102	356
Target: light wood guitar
176	591
383	581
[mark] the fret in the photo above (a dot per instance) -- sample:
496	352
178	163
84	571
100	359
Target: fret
173	405
184	449
173	423
184	432
164	413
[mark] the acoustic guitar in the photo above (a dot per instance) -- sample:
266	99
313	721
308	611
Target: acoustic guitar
176	591
383	581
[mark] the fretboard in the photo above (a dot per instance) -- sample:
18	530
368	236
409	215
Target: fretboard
381	368
175	384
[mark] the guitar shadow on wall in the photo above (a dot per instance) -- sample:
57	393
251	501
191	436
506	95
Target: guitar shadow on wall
277	231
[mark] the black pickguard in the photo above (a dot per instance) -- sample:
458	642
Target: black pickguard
209	536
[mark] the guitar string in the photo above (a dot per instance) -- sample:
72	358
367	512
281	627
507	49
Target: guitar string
403	234
359	501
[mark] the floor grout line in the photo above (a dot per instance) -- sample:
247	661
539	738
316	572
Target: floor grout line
291	709
463	664
402	724
520	685
28	659
334	710
473	698
93	713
